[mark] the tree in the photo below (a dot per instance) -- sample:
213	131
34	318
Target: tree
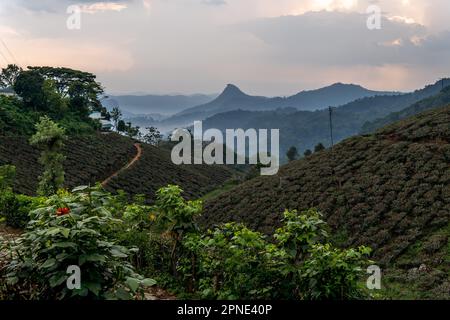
292	154
319	147
81	88
9	75
121	126
50	139
116	115
29	85
153	136
131	131
307	153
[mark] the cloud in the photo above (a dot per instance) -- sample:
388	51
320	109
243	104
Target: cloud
102	7
342	39
214	2
88	6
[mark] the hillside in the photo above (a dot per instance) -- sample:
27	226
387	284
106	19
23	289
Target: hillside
389	190
304	129
93	158
443	98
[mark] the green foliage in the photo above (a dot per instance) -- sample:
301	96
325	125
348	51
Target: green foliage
9	75
332	274
116	116
7	176
15	208
131	131
153	136
319	147
176	217
30	87
121	126
14	120
307	153
79	87
50	139
233	262
292	153
73	229
65	95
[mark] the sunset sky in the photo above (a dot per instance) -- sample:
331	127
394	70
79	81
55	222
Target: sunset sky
266	47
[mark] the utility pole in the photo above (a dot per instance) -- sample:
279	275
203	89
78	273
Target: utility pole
330	109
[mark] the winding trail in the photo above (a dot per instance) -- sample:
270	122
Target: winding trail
128	166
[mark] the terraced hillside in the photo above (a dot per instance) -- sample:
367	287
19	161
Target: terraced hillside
389	190
93	158
155	169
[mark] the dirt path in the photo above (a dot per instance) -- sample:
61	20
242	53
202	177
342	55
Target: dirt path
128	166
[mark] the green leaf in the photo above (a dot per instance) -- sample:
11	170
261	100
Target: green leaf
57	280
94	287
118	254
133	283
148	282
91	257
122	294
65	232
48	263
81	188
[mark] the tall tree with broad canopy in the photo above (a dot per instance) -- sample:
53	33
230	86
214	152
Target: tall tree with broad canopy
9	75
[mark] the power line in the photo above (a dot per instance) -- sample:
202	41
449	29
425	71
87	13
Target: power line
4	57
9	51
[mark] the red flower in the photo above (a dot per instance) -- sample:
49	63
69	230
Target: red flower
62	211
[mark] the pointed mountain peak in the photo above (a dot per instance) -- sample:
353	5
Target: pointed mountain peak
232	91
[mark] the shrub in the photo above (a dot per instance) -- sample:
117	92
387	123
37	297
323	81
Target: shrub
332	274
175	217
15	209
73	229
233	262
50	138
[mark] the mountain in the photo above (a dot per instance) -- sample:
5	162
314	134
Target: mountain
158	104
443	98
335	95
94	158
389	190
305	129
232	98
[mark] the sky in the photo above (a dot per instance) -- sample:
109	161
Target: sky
266	47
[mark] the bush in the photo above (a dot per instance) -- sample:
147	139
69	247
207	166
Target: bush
233	262
72	229
15	209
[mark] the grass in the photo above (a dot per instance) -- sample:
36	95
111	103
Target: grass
227	186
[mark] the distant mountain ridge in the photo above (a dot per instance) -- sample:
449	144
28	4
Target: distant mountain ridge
232	98
155	104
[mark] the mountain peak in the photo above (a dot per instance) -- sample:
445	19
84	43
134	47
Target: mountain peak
231	91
